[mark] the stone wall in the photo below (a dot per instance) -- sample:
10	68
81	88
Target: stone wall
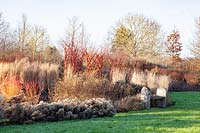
67	109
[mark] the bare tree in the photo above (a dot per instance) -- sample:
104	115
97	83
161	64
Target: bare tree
6	38
195	48
108	41
24	32
76	33
38	40
31	39
3	24
137	35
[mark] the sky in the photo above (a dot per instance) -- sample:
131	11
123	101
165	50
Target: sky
99	16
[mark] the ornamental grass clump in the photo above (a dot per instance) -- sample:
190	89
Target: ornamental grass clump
32	77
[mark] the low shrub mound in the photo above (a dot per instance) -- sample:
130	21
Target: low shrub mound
67	109
128	103
122	89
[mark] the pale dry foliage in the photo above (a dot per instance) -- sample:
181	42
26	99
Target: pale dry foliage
150	80
139	78
68	72
118	75
34	76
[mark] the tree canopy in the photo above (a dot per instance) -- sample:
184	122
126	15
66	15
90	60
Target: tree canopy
137	36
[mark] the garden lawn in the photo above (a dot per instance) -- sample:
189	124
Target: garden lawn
183	117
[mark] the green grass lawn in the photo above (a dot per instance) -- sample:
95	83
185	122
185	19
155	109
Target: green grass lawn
183	117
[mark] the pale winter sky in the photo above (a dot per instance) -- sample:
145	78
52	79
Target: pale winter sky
100	15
